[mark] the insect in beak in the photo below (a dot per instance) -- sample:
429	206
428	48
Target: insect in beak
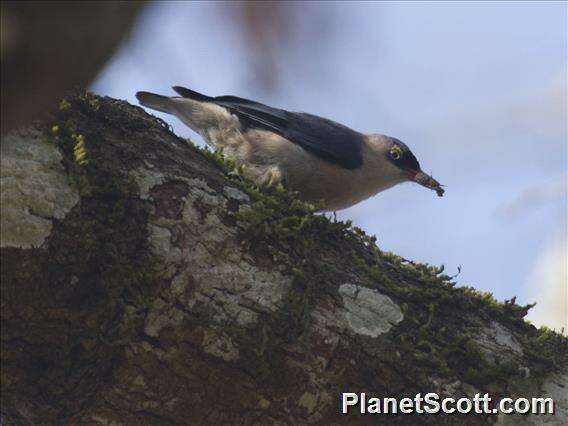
425	180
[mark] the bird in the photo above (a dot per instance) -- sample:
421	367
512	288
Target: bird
328	164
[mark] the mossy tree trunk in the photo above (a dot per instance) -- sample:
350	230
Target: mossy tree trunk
144	283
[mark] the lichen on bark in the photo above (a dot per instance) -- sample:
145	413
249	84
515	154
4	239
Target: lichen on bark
172	291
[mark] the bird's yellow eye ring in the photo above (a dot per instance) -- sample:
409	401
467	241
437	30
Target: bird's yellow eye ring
396	152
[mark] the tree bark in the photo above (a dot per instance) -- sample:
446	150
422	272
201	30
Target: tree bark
143	282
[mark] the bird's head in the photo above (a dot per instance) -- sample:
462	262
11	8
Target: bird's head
402	163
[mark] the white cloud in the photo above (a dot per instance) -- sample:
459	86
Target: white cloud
533	197
547	285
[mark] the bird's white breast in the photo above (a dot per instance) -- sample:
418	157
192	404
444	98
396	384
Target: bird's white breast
317	179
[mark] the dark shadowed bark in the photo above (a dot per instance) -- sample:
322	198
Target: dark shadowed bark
144	283
51	47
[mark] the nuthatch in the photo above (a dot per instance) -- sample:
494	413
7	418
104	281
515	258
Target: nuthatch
322	160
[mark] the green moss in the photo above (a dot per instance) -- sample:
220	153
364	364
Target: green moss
436	330
64	105
275	212
300	301
115	217
79	150
548	348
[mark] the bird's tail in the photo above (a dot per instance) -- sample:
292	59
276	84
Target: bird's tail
155	101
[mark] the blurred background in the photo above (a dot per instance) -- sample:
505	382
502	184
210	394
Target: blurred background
478	90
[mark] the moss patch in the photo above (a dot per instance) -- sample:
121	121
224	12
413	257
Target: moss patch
94	264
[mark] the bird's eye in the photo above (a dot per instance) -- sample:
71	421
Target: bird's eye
396	152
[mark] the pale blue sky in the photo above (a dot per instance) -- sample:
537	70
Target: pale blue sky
477	90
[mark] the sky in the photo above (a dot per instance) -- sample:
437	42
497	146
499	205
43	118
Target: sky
476	89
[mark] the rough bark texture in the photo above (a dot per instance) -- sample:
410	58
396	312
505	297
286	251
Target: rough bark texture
144	283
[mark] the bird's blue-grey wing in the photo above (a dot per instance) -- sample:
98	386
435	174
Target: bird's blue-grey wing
325	138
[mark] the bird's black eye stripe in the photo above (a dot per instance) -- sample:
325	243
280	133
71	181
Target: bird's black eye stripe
401	155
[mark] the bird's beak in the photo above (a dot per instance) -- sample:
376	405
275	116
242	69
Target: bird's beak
427	181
